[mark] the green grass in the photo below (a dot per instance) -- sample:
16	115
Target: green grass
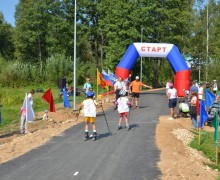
12	100
207	146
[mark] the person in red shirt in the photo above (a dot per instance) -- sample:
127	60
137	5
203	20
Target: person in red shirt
134	89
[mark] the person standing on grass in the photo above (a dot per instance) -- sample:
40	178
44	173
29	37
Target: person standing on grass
89	109
123	109
214	87
30	96
172	100
87	85
193	111
201	91
134	89
23	124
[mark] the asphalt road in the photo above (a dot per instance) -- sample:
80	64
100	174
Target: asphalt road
119	155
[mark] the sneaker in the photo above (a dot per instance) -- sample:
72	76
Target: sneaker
119	127
94	138
86	136
137	107
170	118
128	127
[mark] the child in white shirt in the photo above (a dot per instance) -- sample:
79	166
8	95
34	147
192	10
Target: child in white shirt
123	109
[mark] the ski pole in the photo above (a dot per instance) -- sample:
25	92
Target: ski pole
105	117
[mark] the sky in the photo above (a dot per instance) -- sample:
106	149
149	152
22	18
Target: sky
7	7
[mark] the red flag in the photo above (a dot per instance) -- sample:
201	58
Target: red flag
48	97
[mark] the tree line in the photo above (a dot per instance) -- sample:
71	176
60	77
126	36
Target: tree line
39	49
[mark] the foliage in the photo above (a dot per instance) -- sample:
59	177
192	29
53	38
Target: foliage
6	39
207	146
105	29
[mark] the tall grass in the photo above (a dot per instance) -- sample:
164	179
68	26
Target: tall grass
207	146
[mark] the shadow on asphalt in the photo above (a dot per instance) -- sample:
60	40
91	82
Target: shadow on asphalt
104	135
133	126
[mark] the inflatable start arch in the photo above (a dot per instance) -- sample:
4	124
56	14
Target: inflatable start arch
169	51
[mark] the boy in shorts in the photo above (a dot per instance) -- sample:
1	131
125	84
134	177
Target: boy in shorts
89	110
123	109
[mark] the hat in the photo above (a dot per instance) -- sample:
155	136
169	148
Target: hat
214	80
46	111
137	77
90	94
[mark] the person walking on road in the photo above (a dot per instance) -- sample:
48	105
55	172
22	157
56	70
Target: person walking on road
134	89
123	109
89	109
172	100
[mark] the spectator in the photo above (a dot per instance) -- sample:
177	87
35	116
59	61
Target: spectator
193	112
168	86
172	100
118	86
23	125
87	85
193	88
201	91
214	87
134	89
30	96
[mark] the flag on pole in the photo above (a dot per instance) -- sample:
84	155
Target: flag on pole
48	97
100	80
107	79
66	102
203	114
209	98
112	75
215	124
29	109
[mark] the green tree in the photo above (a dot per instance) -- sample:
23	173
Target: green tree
6	39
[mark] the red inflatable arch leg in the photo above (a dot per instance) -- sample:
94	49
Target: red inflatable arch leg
182	81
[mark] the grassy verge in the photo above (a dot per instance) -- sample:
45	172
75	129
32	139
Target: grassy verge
207	146
12	100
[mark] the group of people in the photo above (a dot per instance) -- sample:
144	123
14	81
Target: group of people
191	100
122	88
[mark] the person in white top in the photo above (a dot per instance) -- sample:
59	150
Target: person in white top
30	96
123	109
201	91
214	86
118	86
172	100
168	86
89	109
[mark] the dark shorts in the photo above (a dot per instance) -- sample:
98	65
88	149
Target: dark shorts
135	95
172	103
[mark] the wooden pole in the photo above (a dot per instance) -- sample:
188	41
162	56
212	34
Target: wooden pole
97	89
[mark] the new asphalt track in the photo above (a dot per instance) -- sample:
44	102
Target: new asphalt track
119	155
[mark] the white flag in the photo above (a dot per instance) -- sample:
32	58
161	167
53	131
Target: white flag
29	110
